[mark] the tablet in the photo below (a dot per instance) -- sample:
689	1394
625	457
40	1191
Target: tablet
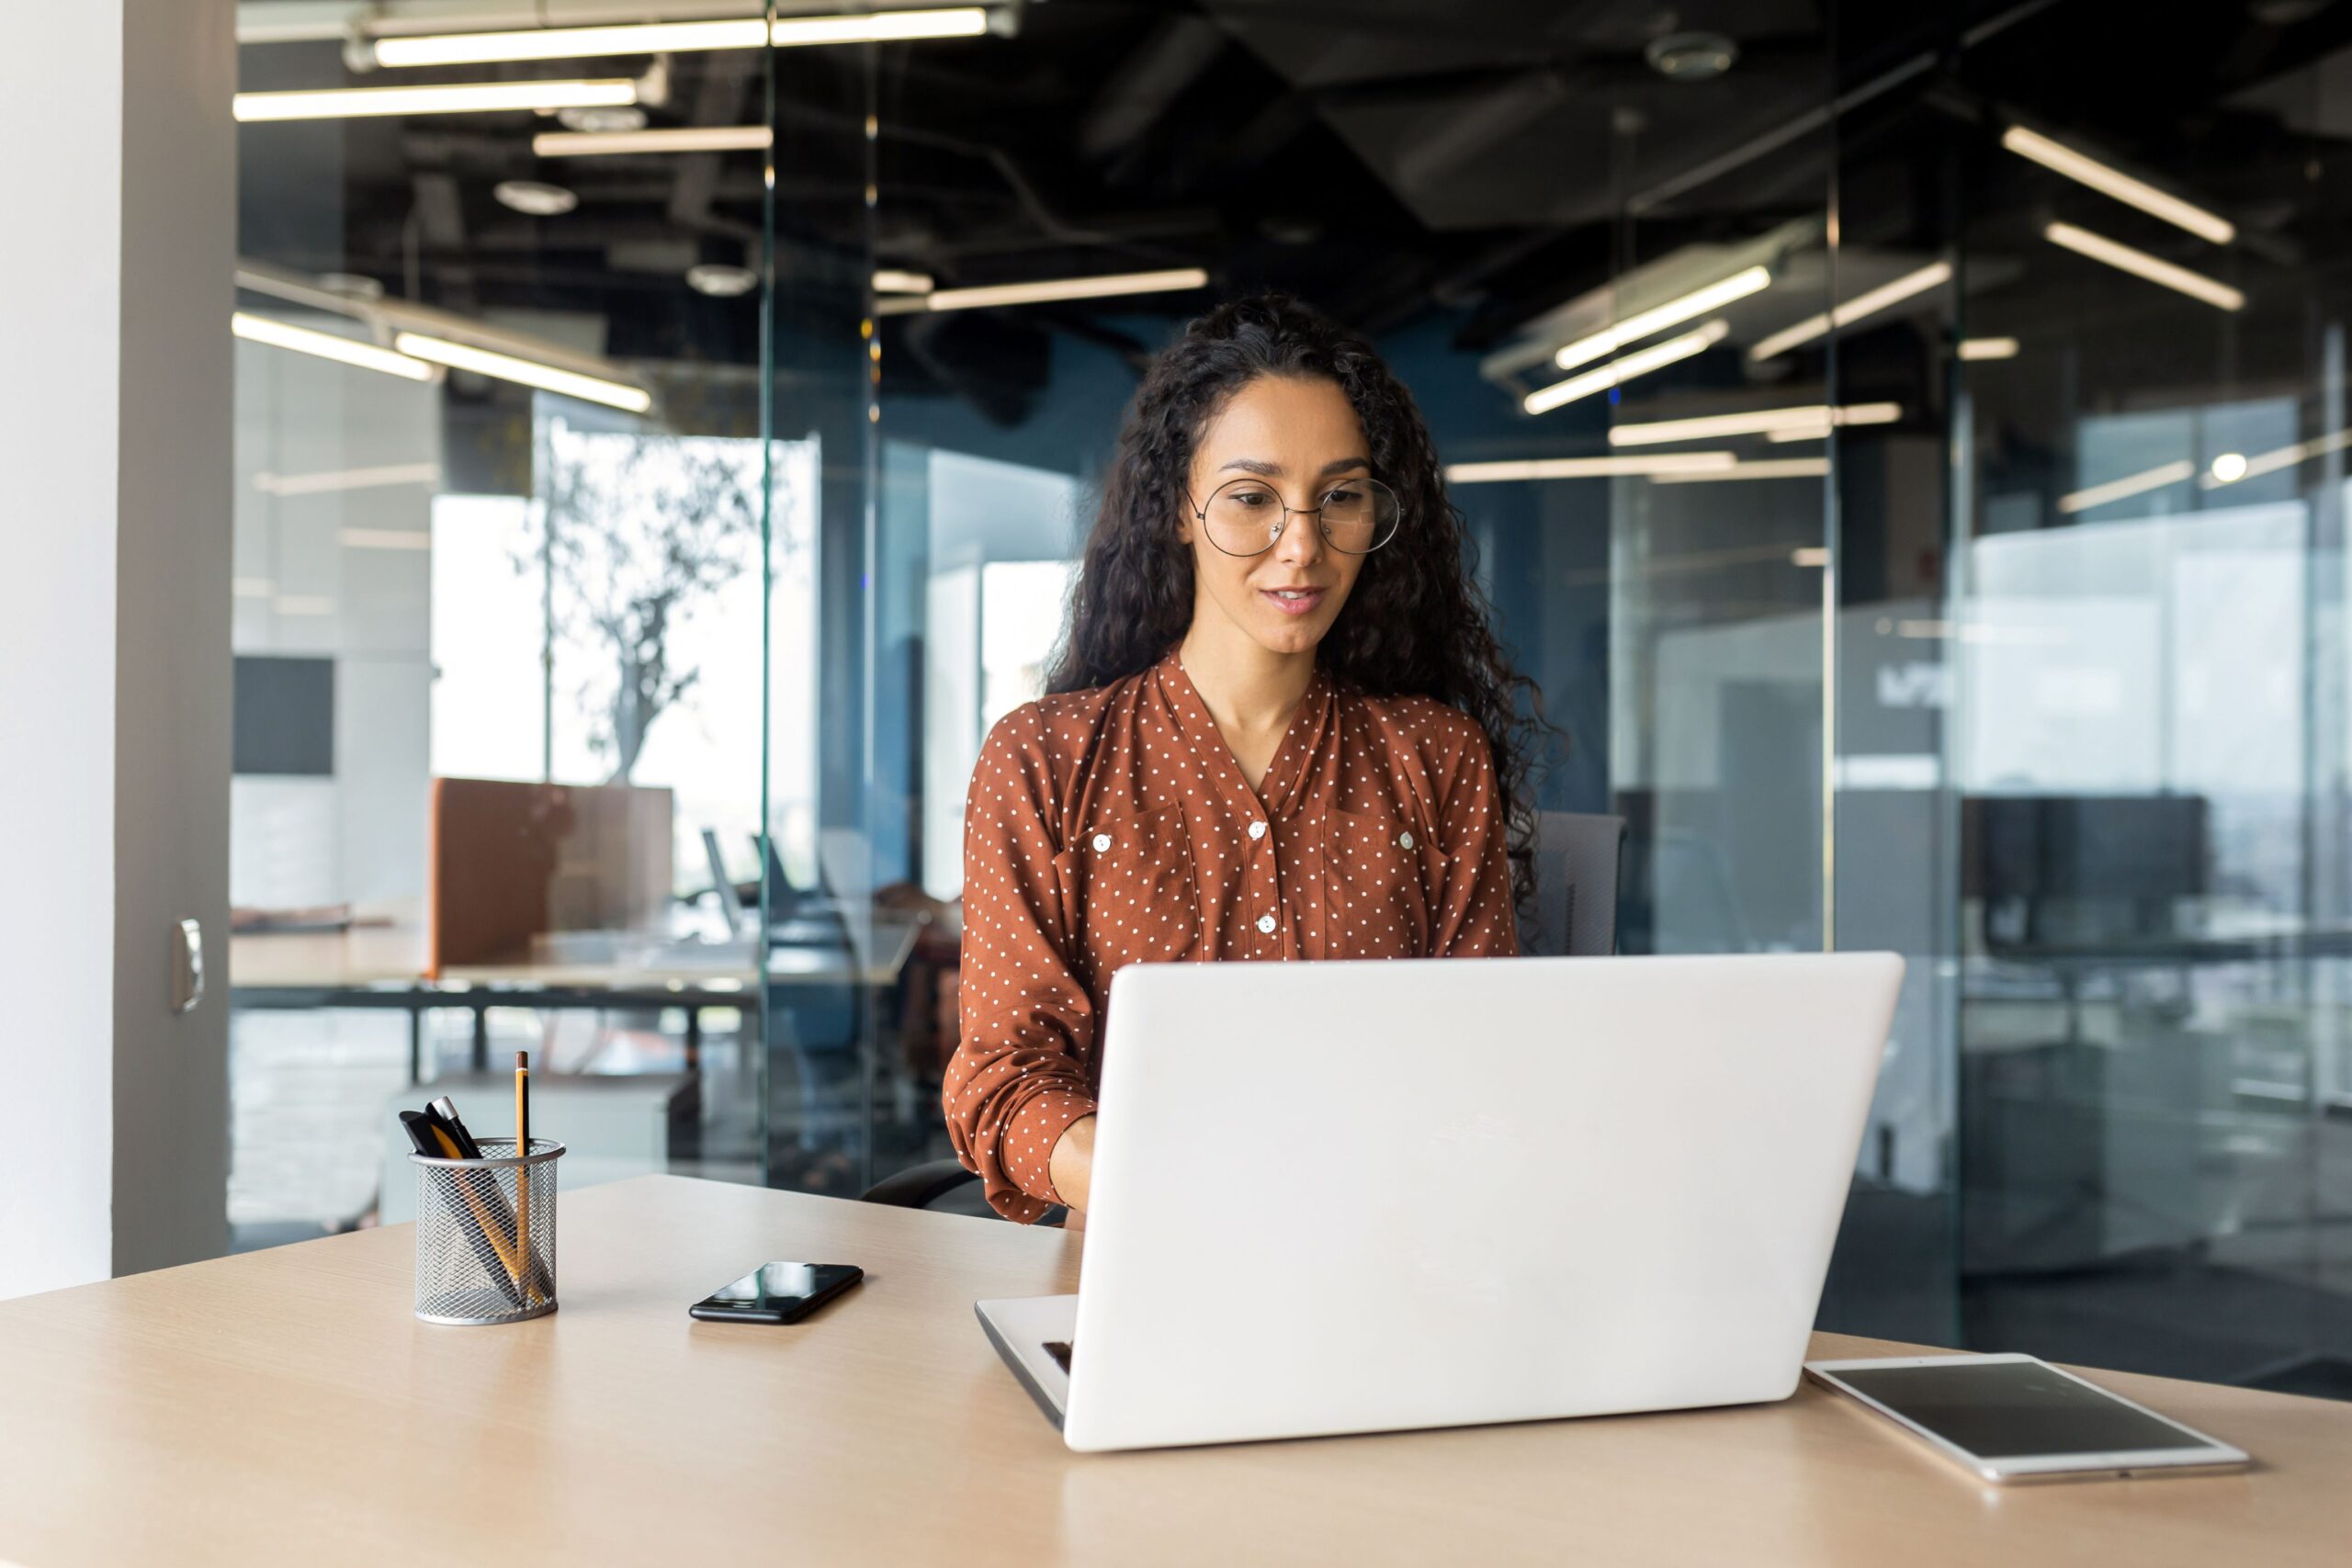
2016	1418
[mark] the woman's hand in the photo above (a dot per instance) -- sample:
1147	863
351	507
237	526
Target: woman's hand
1071	1165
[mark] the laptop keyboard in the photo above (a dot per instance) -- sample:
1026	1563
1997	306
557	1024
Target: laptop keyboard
1060	1349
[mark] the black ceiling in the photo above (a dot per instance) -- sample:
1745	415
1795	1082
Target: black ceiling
1387	158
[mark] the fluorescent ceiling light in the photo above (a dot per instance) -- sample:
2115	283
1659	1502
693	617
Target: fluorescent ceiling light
569	43
470	98
895	280
676	37
1633	329
1810	555
1625	368
1988	348
302	604
348	479
1584	468
2139	263
2130	484
527	372
1811	418
683	139
1065	289
329	345
1800	432
2086	170
1865	304
881	27
2278	457
1770	468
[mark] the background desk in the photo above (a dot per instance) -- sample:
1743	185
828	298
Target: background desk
384	968
283	1406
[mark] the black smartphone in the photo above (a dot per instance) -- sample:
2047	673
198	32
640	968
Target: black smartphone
778	1293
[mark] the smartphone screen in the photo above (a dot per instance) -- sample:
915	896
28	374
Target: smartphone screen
2012	1409
778	1293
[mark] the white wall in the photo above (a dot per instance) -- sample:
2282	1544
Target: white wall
114	647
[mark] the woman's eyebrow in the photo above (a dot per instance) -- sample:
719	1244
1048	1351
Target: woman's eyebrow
1274	470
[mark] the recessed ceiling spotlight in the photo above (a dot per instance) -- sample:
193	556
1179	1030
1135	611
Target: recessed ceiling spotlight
1691	57
601	121
720	281
2229	467
535	199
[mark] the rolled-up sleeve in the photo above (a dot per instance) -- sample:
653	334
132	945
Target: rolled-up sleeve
1477	918
1020	1076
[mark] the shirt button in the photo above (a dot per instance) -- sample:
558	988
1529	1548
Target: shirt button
1404	840
1101	843
1266	924
1257	829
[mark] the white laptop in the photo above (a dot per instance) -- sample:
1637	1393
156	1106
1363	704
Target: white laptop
1359	1197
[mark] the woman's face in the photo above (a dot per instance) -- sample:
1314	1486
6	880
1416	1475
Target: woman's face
1289	439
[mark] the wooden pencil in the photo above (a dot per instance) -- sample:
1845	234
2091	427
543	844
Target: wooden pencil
523	1174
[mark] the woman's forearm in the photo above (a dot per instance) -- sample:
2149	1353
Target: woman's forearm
1071	1165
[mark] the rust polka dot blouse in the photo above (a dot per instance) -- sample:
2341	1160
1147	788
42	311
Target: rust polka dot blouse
1113	826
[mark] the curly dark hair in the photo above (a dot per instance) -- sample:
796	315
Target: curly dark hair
1417	622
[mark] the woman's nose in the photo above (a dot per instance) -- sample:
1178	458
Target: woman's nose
1302	540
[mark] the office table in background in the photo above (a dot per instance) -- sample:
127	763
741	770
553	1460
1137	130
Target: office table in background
284	1406
382	967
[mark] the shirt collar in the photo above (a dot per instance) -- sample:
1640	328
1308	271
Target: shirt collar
1309	727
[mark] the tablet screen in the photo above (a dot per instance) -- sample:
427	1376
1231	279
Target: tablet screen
2006	1409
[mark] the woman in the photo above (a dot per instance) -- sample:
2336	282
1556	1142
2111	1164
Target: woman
1280	726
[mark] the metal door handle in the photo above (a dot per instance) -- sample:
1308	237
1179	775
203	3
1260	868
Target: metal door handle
187	967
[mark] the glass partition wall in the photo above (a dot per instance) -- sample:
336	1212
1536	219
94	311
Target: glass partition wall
501	498
2148	742
1910	471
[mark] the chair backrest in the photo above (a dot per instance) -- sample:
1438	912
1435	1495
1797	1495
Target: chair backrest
1577	857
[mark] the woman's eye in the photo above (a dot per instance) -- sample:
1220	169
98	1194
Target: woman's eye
1250	498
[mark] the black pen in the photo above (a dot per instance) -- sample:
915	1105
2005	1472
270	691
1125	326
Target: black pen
446	1109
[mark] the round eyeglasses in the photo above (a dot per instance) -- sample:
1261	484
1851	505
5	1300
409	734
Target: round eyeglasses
1245	516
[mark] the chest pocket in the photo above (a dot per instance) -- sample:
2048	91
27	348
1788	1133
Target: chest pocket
1384	878
1133	892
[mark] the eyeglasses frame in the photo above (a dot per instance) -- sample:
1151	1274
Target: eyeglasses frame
1200	515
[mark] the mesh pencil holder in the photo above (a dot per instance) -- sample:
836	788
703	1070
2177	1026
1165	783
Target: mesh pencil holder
470	1267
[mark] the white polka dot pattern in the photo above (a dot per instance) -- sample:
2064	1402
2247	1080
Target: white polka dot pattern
1113	826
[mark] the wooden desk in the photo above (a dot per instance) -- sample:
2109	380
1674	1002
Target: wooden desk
284	1406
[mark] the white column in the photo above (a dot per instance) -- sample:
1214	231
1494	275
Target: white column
115	672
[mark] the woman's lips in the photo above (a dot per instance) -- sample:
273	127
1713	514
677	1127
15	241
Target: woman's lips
1298	601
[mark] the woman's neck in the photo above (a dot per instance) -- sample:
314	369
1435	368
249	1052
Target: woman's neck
1249	690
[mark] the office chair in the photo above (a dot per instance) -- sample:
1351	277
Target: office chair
1577	861
1579	858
